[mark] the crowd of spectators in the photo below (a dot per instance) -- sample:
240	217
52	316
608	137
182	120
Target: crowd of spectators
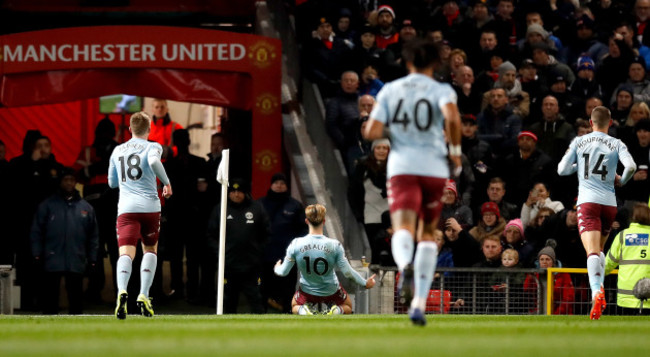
527	74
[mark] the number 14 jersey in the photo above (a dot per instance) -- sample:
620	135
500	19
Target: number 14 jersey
130	166
596	155
410	107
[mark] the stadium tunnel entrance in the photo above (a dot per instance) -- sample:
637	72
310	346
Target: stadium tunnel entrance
55	77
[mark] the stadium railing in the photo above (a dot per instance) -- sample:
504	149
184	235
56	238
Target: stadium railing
481	291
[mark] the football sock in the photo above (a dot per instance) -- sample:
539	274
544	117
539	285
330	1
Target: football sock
124	266
424	266
602	268
593	270
147	272
402	247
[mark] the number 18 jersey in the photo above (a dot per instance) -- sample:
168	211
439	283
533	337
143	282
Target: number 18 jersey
130	167
597	155
410	107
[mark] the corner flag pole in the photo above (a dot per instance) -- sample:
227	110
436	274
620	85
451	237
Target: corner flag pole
222	178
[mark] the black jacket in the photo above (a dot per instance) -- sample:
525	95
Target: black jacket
247	233
64	234
287	217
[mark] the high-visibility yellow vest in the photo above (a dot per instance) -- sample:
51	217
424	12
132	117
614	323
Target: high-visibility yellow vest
630	251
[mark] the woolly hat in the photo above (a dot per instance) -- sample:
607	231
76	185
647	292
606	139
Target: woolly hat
490	207
549	251
379	142
625	88
527	133
643	124
640	60
536	28
451	185
238	184
541	46
505	67
386	8
585	62
279	177
515	223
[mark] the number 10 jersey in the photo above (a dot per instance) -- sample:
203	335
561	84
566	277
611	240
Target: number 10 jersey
130	166
410	107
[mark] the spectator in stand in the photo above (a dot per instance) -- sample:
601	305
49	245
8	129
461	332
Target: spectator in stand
586	86
517	98
626	29
638	188
545	63
496	192
514	238
497	124
506	26
535	18
217	144
162	126
479	156
553	133
367	191
642	14
457	60
614	66
469	98
488	77
480	19
590	104
365	52
465	250
360	146
387	32
569	104
534	232
394	66
491	248
563	291
342	113
620	108
324	59
444	72
452	207
530	84
535	33
538	198
637	79
370	83
586	43
287	216
344	30
247	234
626	132
450	20
185	237
563	226
92	166
64	242
445	255
524	167
488	45
583	127
491	222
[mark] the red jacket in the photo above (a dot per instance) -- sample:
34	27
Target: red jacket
563	293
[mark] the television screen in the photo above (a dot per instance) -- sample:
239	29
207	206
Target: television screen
120	103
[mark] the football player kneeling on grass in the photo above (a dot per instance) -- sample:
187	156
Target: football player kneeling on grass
317	256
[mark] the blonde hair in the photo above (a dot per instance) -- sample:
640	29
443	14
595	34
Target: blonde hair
140	123
315	214
640	105
511	253
458	52
601	116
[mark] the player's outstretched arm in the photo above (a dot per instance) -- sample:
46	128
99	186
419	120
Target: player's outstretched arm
568	165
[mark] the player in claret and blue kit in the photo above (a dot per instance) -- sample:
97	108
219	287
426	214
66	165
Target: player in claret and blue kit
316	256
594	157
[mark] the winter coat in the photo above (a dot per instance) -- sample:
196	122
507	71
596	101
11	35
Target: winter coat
553	137
64	234
481	230
287	217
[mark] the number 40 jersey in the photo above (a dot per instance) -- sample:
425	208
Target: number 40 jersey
594	157
410	107
131	168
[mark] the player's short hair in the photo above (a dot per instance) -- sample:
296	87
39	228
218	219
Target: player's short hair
422	54
315	214
510	253
140	123
601	116
641	214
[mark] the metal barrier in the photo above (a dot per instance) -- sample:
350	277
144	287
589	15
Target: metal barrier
6	293
582	292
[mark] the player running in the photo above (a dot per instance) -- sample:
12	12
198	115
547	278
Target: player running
416	108
317	256
595	157
134	167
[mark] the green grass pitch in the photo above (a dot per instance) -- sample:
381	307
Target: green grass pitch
357	335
